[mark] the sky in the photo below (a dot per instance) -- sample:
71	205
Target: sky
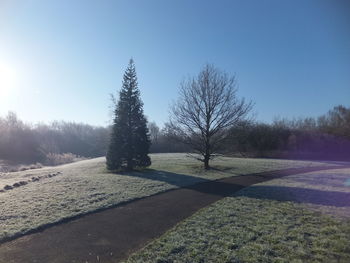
61	60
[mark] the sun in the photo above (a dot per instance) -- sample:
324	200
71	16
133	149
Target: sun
7	79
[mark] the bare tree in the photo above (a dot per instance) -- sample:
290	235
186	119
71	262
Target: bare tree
207	106
154	132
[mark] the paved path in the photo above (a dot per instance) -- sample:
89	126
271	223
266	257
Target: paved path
111	235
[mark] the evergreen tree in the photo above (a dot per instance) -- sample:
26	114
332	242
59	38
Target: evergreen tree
130	142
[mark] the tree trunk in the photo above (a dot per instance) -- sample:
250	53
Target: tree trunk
129	165
206	162
207	147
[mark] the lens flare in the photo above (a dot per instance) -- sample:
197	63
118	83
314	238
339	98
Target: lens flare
7	80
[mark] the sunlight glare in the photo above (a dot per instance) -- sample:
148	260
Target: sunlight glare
7	80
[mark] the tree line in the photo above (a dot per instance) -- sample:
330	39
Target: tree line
325	137
27	143
208	119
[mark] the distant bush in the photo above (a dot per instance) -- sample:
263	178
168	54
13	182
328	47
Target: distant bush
57	159
323	138
18	141
23	143
6	166
35	166
164	140
29	167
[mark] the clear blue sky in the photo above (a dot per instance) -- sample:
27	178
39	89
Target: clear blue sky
60	60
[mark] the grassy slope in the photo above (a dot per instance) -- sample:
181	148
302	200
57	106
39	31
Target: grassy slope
86	186
300	218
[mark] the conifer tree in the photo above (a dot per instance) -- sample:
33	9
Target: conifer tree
130	141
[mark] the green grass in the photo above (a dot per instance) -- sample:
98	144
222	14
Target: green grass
86	186
283	220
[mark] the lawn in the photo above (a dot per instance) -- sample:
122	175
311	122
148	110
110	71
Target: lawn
35	198
299	218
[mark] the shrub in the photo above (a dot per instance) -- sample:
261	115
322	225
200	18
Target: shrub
57	159
10	167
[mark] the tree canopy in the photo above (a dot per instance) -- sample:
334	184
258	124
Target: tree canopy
207	106
130	142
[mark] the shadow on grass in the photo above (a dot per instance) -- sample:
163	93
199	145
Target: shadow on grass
222	188
227	186
178	179
175	179
324	179
299	195
223	169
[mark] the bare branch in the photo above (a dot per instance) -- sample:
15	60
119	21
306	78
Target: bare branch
206	107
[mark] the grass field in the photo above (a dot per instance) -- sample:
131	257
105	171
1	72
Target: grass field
35	198
299	218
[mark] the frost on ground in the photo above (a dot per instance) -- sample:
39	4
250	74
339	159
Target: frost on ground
298	218
34	198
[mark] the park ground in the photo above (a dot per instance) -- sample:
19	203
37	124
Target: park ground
295	218
298	218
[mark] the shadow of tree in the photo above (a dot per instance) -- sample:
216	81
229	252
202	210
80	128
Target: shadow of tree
299	195
176	179
198	184
323	179
222	169
227	186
